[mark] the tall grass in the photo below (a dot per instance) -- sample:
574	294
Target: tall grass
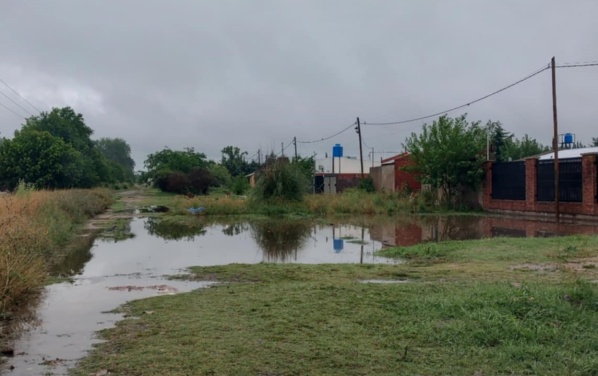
34	225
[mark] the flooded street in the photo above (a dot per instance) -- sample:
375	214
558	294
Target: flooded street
117	271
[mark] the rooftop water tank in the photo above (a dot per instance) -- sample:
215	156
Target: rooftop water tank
337	151
568	138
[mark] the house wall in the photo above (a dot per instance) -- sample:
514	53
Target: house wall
383	178
588	207
404	179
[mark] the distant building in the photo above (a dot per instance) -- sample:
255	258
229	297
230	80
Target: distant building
391	175
334	175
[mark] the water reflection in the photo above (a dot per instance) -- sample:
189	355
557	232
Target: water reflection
171	230
76	255
120	230
235	228
414	230
280	240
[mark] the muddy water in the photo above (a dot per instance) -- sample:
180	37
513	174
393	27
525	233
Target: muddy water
130	262
116	271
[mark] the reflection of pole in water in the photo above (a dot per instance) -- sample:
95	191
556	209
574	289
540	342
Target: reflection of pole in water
361	257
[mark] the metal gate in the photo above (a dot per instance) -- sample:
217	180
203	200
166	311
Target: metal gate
570	180
508	181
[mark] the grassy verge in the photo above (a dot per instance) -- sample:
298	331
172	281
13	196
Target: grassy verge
469	311
350	202
36	231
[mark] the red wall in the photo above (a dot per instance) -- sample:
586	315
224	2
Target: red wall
404	179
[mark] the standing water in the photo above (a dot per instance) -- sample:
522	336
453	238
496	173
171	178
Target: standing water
117	271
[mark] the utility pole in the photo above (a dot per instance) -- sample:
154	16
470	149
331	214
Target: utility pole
259	157
295	143
282	149
555	145
373	156
358	129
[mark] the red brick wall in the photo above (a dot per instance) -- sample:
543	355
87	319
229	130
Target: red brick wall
405	179
587	207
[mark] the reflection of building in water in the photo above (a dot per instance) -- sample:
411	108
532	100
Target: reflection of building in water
466	227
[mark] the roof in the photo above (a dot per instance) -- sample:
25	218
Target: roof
393	159
570	153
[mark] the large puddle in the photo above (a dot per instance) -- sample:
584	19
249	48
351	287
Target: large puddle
131	262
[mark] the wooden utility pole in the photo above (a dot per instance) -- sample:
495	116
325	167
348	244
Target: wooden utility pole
555	146
358	129
282	149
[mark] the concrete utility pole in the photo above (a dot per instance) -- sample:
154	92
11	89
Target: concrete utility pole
358	129
295	143
555	146
282	149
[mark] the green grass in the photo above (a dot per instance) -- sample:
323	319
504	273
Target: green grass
498	250
285	319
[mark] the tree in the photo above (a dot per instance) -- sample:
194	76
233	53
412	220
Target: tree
523	148
167	160
179	171
499	139
594	141
70	126
448	155
39	158
234	161
118	153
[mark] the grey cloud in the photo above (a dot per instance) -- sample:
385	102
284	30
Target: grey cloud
257	73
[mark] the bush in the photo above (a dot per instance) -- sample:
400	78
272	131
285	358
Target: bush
281	181
239	185
197	181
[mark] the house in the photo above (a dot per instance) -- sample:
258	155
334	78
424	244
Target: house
391	176
334	175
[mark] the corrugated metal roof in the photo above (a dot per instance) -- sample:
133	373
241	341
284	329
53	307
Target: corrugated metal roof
570	153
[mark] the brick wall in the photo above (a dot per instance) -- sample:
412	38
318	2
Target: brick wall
588	207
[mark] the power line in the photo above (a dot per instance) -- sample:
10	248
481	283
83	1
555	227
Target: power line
11	111
18	105
329	137
466	104
23	98
576	65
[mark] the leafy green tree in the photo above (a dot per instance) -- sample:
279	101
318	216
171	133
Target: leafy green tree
523	148
220	173
167	160
499	139
70	126
594	141
39	158
118	152
448	155
234	161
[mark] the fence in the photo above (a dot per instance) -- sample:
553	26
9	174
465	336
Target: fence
508	181
570	180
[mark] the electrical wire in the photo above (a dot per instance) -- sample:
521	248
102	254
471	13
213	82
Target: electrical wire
577	65
23	98
18	105
12	111
327	138
466	104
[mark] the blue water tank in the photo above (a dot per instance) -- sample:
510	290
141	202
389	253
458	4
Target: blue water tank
337	151
568	138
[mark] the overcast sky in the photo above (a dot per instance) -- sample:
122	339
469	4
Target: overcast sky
255	74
